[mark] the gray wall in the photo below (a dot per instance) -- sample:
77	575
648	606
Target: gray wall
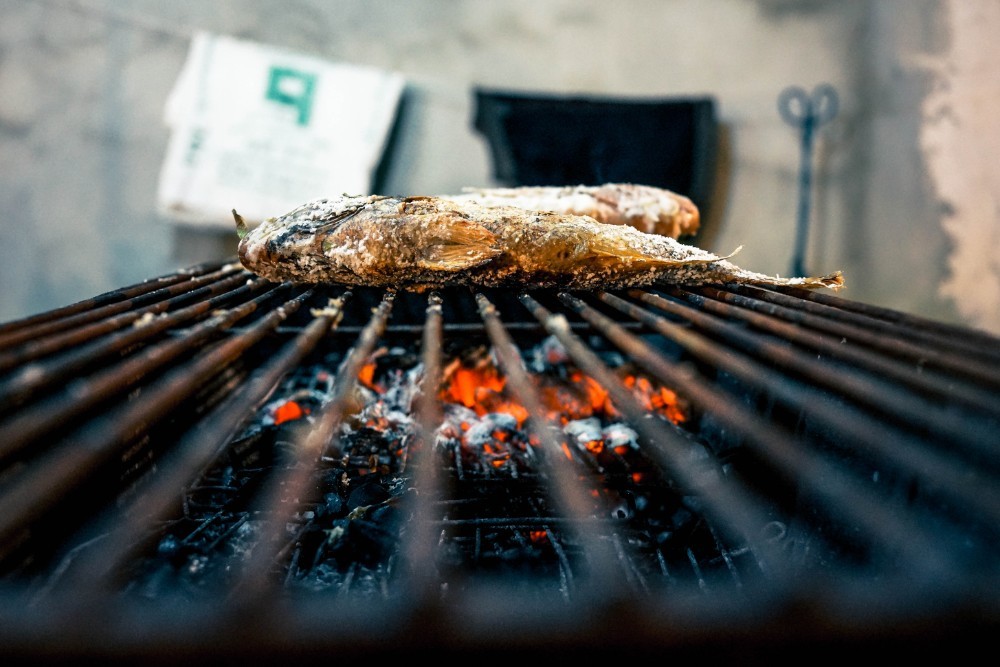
83	86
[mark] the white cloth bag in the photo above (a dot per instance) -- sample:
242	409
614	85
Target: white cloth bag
261	130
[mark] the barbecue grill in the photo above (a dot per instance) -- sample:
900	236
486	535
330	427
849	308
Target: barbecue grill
210	467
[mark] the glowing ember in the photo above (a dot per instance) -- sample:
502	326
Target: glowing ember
659	399
485	421
578	396
288	411
473	386
366	376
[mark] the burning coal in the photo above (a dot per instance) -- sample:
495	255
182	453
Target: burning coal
349	536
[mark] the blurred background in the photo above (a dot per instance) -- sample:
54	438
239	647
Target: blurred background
905	192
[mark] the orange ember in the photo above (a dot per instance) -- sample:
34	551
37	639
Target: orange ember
498	456
597	394
480	387
537	536
366	376
288	411
565	403
471	386
656	398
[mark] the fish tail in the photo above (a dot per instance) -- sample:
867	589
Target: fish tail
834	281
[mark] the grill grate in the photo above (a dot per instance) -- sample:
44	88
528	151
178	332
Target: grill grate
834	485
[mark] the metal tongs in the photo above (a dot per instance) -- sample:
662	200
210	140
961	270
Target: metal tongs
806	112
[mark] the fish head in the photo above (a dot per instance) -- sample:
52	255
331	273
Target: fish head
371	240
292	244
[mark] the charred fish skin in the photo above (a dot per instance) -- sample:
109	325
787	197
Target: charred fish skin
419	242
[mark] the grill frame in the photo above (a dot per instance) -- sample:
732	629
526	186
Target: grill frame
219	311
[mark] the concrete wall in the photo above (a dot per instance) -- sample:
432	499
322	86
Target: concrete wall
83	85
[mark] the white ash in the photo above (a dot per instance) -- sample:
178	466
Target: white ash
620	435
481	432
583	431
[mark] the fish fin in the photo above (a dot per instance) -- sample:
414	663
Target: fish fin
336	220
458	244
242	229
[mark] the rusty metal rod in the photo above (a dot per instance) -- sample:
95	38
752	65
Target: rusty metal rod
458	327
871	390
127	530
865	387
294	481
568	492
891	445
77	354
532	521
512	626
829	484
36	331
971	342
899	317
120	294
77	400
428	402
70	338
860	357
739	513
47	480
421	542
922	356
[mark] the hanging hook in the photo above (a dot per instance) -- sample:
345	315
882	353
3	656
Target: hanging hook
806	112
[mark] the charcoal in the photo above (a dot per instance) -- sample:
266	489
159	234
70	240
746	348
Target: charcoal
368	492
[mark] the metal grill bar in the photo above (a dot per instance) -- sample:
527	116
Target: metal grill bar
63	408
420	545
870	439
53	325
293	482
734	509
930	336
76	354
113	296
126	532
911	375
874	392
826	481
846	325
893	447
48	479
567	490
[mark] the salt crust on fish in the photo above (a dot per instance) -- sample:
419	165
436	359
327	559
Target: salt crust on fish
420	242
648	208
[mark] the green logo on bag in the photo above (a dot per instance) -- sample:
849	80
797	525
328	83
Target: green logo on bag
293	88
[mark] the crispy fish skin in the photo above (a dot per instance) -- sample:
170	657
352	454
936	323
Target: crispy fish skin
648	208
418	243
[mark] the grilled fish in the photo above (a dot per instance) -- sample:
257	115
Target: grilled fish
420	242
647	208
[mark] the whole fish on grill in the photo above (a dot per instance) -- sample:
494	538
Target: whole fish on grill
647	208
420	242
